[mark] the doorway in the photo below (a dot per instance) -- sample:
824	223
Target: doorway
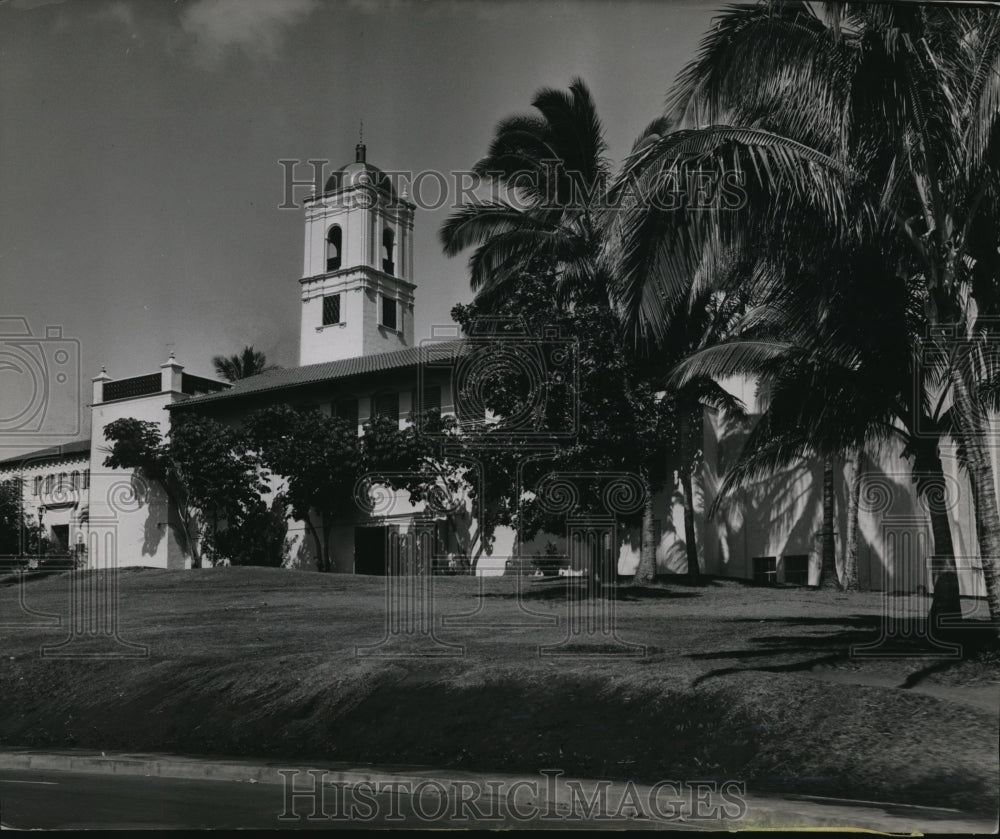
60	538
370	550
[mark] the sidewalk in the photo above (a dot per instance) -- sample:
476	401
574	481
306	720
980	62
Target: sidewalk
549	792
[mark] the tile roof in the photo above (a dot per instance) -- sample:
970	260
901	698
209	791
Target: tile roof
293	377
66	450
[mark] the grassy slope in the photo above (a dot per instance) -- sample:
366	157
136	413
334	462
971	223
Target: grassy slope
740	682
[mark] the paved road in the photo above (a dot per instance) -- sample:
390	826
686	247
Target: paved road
65	800
117	794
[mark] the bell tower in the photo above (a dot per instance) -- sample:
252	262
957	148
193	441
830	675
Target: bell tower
357	277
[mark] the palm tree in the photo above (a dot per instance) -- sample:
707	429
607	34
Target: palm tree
872	125
705	321
804	417
552	178
249	362
553	181
683	439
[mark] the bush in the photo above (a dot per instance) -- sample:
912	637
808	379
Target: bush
258	538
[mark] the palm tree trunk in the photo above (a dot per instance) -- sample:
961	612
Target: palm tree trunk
983	490
828	564
988	526
690	541
645	571
946	601
851	581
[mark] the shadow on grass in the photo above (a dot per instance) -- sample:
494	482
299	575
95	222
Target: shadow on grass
29	577
978	644
794	667
712	581
636	593
701	581
575	588
909	640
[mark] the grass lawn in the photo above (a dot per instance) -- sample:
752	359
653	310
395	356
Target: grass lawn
741	682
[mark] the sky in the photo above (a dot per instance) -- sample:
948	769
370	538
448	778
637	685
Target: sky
139	146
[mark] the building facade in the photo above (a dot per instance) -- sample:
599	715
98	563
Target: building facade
55	489
358	357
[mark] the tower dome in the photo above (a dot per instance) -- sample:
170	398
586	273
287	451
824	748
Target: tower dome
359	173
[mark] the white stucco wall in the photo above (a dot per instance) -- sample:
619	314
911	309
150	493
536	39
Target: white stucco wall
131	520
782	514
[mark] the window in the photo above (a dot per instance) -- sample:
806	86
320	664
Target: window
796	569
334	240
388	312
86	479
49	481
388	243
62	482
37	485
765	569
386	405
74	479
331	309
431	399
347	409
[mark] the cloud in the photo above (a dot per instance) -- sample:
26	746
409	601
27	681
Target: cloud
255	27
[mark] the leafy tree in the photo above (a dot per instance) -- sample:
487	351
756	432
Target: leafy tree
205	469
18	534
11	517
223	477
319	458
139	445
257	536
249	362
625	422
424	458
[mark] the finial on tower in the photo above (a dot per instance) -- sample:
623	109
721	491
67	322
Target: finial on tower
359	149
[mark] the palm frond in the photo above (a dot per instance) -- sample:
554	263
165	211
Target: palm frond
766	451
667	249
477	223
730	358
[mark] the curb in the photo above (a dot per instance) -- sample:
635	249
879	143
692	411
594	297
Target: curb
760	812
